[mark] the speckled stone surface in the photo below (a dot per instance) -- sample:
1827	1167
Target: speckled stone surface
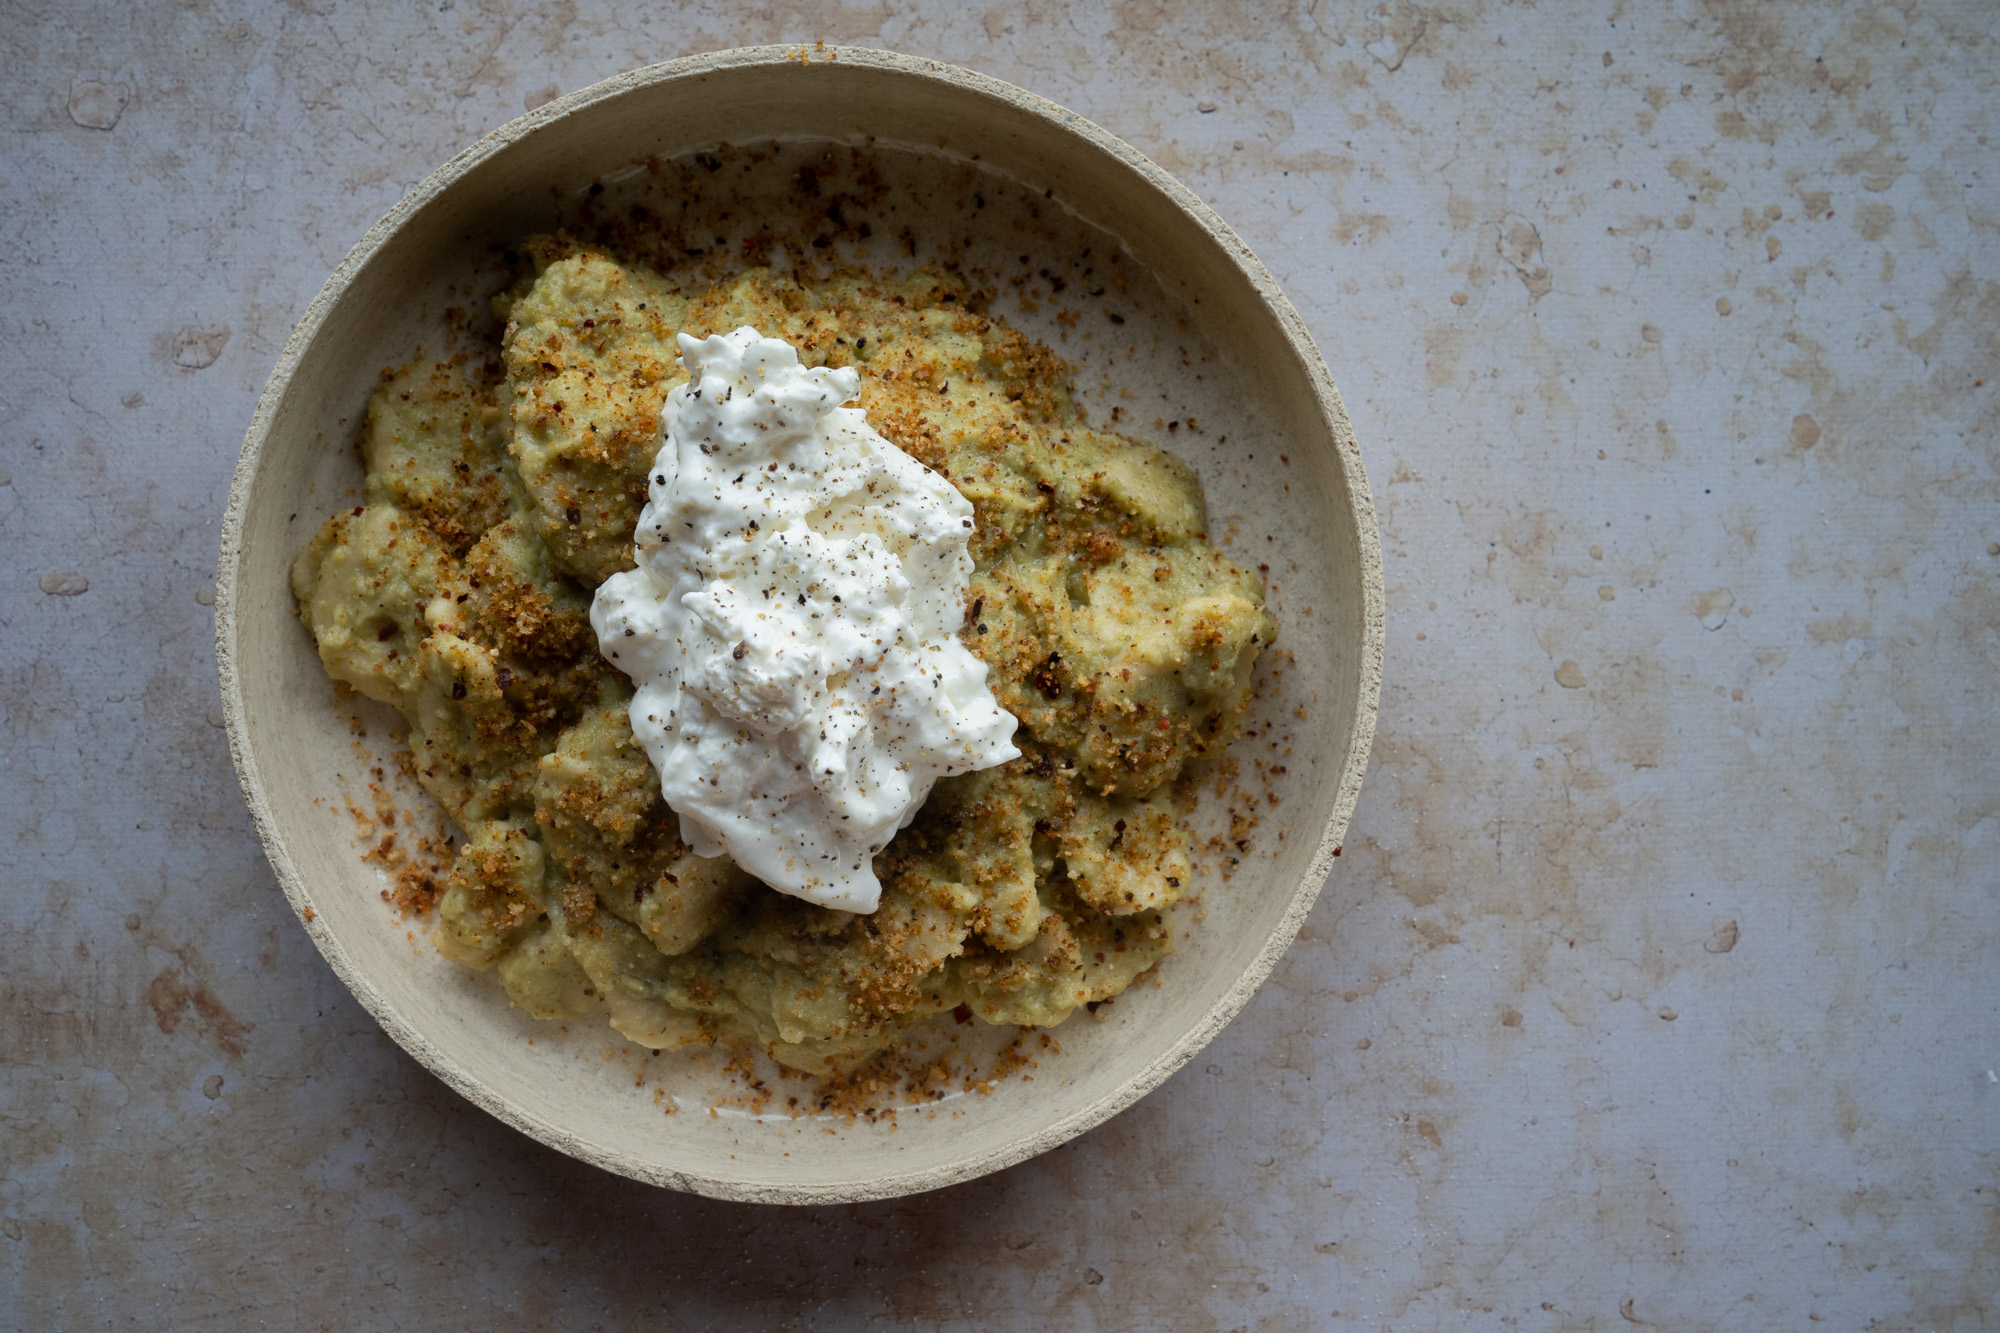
1657	985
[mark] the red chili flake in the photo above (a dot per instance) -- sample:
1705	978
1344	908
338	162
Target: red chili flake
386	633
504	677
963	1013
1336	851
1046	679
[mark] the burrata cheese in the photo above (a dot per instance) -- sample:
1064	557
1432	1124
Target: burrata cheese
791	628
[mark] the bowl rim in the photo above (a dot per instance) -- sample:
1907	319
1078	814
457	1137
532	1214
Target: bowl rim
980	1161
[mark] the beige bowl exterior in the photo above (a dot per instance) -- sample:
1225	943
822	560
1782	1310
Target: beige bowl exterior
461	1029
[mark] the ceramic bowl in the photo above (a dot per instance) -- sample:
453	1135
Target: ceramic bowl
1199	324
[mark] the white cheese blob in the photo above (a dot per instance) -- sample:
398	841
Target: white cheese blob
792	626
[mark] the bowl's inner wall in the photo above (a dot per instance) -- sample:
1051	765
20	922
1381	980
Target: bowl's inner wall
1255	396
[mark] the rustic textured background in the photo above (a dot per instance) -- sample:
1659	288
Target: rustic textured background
1658	983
